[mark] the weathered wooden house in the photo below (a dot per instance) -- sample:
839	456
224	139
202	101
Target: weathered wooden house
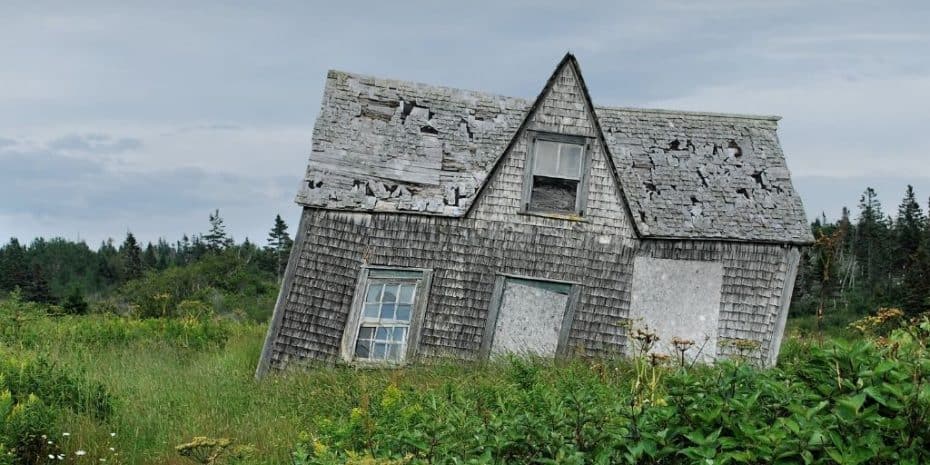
444	222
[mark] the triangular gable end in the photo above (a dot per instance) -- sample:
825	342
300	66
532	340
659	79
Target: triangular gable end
563	106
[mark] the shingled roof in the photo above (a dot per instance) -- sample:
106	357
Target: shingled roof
393	146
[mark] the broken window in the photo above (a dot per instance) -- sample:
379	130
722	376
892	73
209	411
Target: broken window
555	176
385	315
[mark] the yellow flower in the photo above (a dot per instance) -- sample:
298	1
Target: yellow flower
391	397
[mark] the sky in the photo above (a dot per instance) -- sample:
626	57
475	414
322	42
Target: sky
146	116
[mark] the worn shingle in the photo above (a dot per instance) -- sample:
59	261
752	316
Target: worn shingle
395	146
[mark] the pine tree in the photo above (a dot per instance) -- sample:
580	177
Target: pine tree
217	239
149	258
13	266
909	229
131	257
74	302
279	245
37	288
871	239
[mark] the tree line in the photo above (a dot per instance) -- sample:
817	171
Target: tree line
870	260
58	270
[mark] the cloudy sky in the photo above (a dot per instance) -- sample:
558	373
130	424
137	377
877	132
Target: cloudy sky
145	116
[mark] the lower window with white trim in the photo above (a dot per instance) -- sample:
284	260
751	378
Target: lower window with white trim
388	307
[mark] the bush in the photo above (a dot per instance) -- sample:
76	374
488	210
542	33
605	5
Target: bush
23	428
224	280
841	403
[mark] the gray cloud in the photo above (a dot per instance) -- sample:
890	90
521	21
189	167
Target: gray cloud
217	91
95	143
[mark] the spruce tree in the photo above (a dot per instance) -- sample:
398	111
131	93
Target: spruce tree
14	267
279	245
149	258
871	239
910	231
37	288
217	239
131	258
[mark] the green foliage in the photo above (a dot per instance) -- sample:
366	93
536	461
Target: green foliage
228	281
841	403
74	302
23	427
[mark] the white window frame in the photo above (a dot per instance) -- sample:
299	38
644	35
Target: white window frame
356	318
581	193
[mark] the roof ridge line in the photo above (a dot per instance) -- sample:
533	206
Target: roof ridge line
692	112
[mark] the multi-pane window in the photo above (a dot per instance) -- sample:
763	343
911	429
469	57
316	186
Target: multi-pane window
556	175
385	317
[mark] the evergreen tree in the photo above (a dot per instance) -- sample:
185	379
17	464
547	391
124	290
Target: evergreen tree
149	258
910	253
217	239
37	288
13	266
279	245
871	239
131	257
74	302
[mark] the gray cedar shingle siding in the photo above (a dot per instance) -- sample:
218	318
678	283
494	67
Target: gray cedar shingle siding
388	190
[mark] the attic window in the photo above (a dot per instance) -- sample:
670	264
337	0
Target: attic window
388	306
555	175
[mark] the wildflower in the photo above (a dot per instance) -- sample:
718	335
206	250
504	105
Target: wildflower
66	434
51	456
80	452
392	396
112	435
319	448
112	449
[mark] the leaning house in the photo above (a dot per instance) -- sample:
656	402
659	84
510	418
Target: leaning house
441	222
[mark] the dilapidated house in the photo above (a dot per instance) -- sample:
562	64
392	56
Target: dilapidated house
444	222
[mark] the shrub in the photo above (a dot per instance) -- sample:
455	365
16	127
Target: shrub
841	403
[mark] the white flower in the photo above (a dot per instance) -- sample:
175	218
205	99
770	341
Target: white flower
112	435
80	452
61	456
50	443
66	434
51	456
112	449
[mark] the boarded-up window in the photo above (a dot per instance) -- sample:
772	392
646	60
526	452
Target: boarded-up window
556	175
528	317
678	299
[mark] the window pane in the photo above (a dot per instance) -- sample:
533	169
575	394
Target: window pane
570	161
380	350
403	312
394	351
390	293
374	293
365	332
400	334
383	334
371	310
546	157
406	293
387	311
362	349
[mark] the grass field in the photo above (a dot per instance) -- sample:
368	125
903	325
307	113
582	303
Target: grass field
169	381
